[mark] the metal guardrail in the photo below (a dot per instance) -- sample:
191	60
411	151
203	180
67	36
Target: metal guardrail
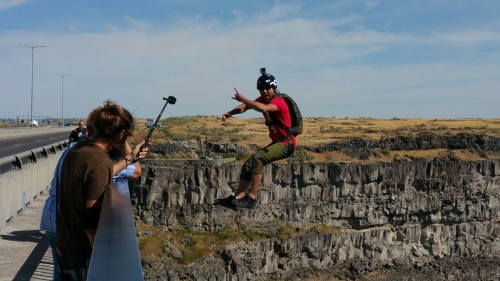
116	253
24	176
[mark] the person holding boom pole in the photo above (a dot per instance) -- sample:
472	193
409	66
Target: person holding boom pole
85	176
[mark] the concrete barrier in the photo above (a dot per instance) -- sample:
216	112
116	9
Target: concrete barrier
20	186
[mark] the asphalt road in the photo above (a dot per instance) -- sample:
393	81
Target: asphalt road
13	146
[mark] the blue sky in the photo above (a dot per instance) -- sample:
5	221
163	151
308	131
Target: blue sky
352	58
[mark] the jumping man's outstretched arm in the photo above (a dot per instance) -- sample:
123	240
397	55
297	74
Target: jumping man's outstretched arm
257	106
237	110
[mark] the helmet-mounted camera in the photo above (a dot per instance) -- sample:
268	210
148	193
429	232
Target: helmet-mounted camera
266	80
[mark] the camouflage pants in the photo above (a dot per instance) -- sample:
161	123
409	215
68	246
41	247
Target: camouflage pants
273	152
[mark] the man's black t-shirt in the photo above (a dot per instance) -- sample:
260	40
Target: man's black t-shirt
76	134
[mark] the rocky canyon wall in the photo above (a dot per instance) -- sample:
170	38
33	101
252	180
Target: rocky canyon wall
386	215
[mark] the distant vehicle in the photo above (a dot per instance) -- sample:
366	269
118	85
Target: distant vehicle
34	123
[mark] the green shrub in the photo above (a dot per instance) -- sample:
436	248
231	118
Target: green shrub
300	156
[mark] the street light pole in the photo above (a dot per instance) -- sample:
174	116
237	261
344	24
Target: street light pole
62	96
32	51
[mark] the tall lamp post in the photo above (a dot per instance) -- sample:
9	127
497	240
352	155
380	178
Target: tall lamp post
62	96
32	51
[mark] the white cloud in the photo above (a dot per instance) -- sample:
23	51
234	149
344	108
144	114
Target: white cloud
469	36
137	24
9	4
372	4
278	11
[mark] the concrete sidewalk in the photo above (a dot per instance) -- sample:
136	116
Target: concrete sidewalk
23	247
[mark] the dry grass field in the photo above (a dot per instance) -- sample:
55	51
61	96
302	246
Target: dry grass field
252	133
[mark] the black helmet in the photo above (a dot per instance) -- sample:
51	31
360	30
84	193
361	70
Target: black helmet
266	80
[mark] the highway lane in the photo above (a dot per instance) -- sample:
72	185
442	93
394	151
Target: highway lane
13	146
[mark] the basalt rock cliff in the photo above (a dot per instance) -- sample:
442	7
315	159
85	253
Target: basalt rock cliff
404	220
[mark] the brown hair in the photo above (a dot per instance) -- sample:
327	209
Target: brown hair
107	121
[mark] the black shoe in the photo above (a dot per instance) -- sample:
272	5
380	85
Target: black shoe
245	202
226	202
